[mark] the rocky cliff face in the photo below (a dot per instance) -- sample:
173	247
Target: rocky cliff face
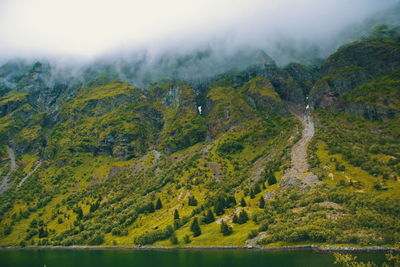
352	66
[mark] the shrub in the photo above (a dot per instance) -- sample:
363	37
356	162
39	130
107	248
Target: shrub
174	239
98	239
261	203
186	239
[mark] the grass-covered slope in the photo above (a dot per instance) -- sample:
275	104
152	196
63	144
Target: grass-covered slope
179	164
107	159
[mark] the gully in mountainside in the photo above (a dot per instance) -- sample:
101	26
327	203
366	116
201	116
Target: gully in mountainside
299	175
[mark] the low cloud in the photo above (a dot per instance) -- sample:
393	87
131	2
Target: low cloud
93	28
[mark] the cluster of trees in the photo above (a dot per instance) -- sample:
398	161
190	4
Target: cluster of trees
208	217
231	146
223	202
35	228
241	218
149	238
346	135
368	219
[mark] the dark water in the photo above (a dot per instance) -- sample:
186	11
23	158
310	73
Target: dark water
173	258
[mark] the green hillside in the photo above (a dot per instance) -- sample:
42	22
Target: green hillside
267	156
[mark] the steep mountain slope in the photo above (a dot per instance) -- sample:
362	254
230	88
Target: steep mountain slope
215	160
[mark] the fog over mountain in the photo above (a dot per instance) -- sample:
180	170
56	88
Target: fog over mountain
92	27
142	41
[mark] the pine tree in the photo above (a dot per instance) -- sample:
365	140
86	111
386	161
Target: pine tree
186	239
231	201
150	207
257	189
94	206
243	217
42	232
225	228
235	219
209	217
252	196
219	207
79	212
271	178
192	201
262	203
158	204
177	224
174	239
176	215
243	202
195	227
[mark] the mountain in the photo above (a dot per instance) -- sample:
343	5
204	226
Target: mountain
203	150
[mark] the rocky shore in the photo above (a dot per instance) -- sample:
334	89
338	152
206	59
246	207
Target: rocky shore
266	249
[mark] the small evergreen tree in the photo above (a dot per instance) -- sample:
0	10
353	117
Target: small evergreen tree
94	206
225	228
176	215
230	201
261	205
158	204
150	207
79	213
192	201
235	219
271	178
186	239
257	189
209	217
219	207
243	217
252	196
177	224
195	227
174	239
243	202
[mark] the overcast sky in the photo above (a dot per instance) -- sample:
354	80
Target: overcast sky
90	27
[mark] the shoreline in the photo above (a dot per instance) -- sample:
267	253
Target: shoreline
312	248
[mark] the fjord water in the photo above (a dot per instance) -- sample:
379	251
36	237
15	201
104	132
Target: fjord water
176	258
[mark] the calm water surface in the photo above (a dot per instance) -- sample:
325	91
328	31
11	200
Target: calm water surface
173	258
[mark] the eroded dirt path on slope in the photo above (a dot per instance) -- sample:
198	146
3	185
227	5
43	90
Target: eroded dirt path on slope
299	175
13	165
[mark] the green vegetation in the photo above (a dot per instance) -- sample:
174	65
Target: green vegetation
383	91
117	165
195	227
225	228
349	260
375	151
